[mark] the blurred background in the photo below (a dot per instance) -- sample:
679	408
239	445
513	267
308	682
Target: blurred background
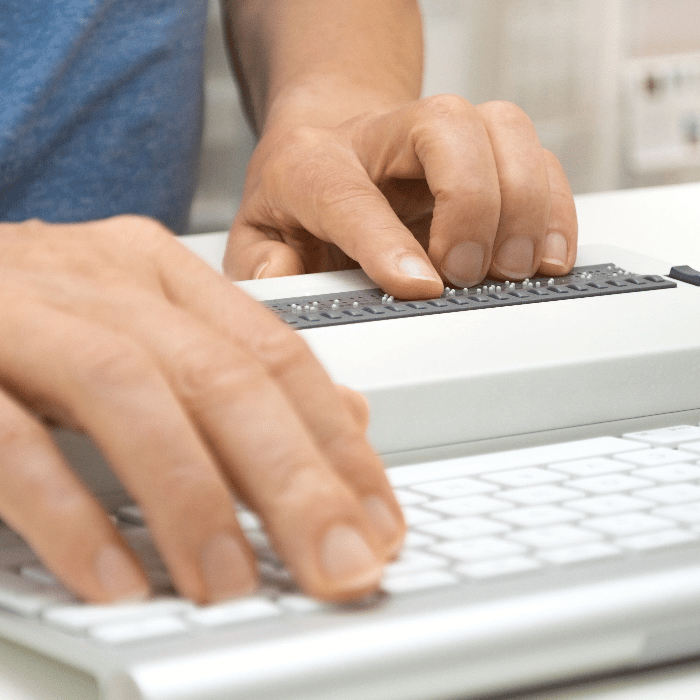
613	87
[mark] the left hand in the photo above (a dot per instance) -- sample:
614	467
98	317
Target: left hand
435	192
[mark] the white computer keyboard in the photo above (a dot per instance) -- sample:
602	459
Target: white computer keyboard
471	519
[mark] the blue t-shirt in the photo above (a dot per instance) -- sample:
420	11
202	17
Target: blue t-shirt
100	108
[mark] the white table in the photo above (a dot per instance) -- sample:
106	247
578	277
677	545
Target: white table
660	222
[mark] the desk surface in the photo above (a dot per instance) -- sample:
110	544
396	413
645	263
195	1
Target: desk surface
660	222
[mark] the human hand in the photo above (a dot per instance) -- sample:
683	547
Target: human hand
193	392
435	192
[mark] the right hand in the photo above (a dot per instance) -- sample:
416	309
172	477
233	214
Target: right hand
194	393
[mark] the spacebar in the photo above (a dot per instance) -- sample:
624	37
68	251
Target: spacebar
498	461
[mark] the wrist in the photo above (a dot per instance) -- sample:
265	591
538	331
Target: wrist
327	100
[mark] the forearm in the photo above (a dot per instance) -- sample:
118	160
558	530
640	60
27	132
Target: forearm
319	62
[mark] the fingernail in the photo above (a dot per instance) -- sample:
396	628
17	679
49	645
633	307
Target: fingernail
463	264
417	268
382	518
226	569
556	249
347	558
515	258
259	269
119	577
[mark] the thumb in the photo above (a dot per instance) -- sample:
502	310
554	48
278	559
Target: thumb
250	254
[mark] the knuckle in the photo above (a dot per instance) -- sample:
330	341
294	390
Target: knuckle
449	106
296	146
280	349
296	487
484	197
506	112
146	224
526	196
112	361
208	375
191	493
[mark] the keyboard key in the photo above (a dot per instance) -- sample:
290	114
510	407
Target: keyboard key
579	553
539	495
686	513
530	476
672	493
610	504
657	456
667	437
415	540
538	516
295	602
610	483
693	447
470	505
421	580
655	540
478	548
417	516
628	524
138	630
232	612
39	574
248	520
554	536
25	597
591	467
498	567
454	488
275	576
80	617
462	528
682	471
410	561
409	498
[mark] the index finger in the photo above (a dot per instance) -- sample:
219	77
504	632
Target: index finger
322	409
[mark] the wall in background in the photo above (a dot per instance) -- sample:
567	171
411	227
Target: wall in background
613	87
